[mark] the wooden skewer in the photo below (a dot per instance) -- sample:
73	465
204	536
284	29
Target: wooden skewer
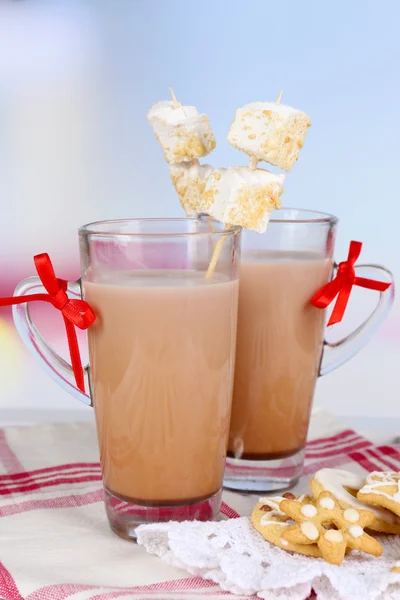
212	230
217	251
253	163
278	100
174	99
215	256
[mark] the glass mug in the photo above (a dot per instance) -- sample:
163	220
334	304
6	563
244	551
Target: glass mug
280	346
161	359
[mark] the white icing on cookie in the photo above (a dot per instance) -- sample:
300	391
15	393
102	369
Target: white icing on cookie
356	531
266	520
332	535
284	542
308	510
327	503
335	480
378	479
273	504
309	530
351	515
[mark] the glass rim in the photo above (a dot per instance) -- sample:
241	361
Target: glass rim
319	216
304	216
93	227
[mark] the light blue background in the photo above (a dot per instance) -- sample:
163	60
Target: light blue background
76	81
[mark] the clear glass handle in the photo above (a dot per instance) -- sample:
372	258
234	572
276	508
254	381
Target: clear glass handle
337	353
53	364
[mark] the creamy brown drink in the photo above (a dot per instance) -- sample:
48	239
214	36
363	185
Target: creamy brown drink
161	375
278	352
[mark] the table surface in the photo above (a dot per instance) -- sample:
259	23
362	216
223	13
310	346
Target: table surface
379	430
82	524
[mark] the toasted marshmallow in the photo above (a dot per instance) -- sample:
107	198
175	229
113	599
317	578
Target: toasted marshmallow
183	133
190	180
239	196
269	131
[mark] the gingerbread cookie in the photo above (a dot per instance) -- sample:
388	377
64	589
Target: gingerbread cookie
312	517
345	486
271	522
382	488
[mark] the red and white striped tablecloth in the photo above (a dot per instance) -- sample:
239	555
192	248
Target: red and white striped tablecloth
55	543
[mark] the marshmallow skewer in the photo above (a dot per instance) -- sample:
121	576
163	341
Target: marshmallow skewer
177	104
271	131
240	196
172	123
218	248
189	194
183	134
243	196
253	159
189	180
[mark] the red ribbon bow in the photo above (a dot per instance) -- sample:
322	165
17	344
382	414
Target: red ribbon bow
342	285
74	311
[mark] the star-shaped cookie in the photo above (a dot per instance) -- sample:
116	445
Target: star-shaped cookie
333	529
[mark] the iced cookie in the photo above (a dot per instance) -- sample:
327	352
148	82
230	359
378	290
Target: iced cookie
314	522
271	522
345	486
382	489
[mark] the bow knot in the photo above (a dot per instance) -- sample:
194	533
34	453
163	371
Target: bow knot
346	269
342	285
75	312
60	300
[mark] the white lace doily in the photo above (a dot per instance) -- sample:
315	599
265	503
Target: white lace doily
234	555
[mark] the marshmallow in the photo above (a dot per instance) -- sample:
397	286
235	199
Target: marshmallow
190	180
239	196
269	131
181	131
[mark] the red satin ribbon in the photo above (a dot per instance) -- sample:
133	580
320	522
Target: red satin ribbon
342	285
74	311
